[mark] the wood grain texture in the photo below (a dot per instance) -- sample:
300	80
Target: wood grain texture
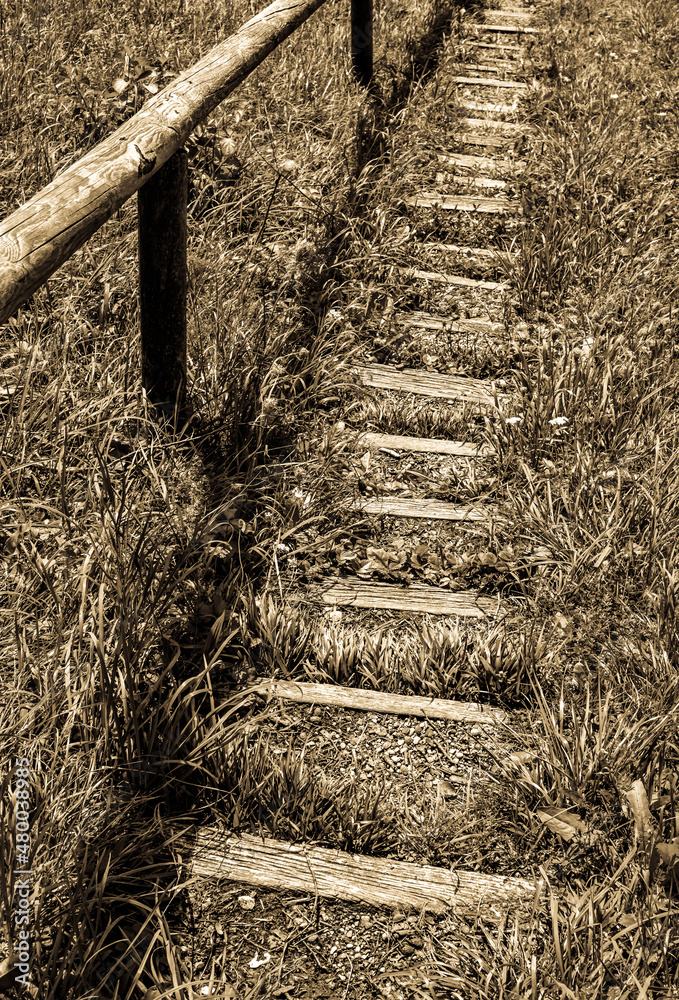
426	383
335	696
417	597
335	874
463	203
510	128
435	446
49	228
435	510
492	107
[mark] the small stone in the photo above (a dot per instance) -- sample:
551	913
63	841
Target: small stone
407	949
417	942
366	921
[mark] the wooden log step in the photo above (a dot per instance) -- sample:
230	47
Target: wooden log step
431	384
489	67
471	162
513	29
486	81
434	510
478	139
453	279
463	203
417	597
479	182
319	871
508	12
492	123
490	106
434	446
357	699
498	46
427	321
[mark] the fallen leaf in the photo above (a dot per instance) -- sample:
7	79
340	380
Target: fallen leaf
566	824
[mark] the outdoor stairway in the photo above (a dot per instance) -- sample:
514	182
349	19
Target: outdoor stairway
334	873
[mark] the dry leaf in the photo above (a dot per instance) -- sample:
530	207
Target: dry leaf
560	821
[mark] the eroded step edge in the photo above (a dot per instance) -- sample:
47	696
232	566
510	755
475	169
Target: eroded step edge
335	874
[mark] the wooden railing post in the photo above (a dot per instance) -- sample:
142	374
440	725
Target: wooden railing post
362	40
162	281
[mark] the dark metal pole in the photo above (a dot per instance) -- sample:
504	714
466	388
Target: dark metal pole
362	40
162	281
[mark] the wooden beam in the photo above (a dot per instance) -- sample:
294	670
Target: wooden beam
416	597
463	203
42	234
473	390
357	699
335	874
486	81
435	446
514	29
428	321
434	510
471	162
452	279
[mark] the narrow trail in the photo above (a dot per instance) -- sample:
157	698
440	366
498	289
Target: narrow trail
422	755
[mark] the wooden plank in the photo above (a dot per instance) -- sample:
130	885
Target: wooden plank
463	203
435	510
514	29
432	384
480	182
434	446
499	46
489	67
42	234
478	139
472	254
492	123
427	321
473	162
335	874
452	279
417	597
357	699
508	12
490	106
484	81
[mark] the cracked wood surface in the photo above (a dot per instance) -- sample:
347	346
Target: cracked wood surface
416	597
46	231
434	510
463	203
335	874
435	446
426	383
358	699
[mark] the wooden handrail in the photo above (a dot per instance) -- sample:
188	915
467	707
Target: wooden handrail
46	231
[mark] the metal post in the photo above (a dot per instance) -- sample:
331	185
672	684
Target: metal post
362	40
162	281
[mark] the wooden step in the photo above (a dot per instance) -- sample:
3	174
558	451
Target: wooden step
417	597
434	446
485	183
478	139
426	383
492	123
463	203
427	321
513	29
433	510
452	279
490	106
471	162
508	12
486	81
499	46
488	67
318	871
357	699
